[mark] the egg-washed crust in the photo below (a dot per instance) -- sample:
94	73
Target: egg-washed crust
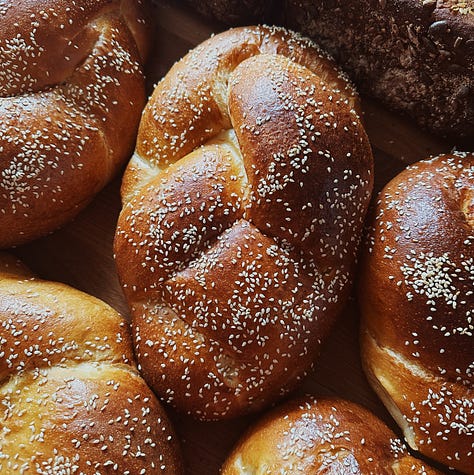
71	95
243	208
71	398
417	301
312	436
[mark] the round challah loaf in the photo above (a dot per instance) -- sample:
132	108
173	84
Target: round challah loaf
417	302
72	400
71	95
243	207
322	436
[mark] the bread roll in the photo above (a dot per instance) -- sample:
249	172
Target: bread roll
242	211
72	399
417	302
321	436
71	95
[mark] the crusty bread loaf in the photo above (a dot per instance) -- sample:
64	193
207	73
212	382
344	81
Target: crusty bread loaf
322	436
72	399
243	206
234	12
417	301
417	57
71	95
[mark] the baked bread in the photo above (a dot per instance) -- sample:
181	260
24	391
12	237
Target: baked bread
71	95
322	436
242	210
416	56
235	12
417	302
72	399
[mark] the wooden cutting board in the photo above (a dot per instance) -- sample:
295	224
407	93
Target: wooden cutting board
81	253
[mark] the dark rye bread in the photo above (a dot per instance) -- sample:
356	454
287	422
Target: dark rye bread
234	12
416	56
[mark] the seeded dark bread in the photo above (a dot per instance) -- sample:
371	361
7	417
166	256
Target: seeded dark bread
415	56
71	95
235	12
417	302
322	436
73	401
242	210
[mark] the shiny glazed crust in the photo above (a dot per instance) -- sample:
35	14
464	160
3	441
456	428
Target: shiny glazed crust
417	302
72	399
242	211
71	94
322	437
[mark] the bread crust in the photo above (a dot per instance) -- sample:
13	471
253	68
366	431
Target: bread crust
71	94
417	57
312	436
243	205
235	12
417	299
73	400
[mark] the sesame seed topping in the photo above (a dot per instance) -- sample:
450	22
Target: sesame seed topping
242	214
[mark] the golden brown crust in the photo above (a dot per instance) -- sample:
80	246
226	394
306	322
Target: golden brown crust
71	396
71	73
198	83
321	437
417	303
243	206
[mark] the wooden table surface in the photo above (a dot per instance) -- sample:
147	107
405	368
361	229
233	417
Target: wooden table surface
80	254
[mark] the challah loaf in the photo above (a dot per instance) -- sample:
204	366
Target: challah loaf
323	436
72	400
242	210
71	94
417	301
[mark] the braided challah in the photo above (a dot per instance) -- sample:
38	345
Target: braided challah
322	437
72	400
71	94
417	301
243	207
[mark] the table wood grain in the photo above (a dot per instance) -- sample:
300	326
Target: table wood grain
81	253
